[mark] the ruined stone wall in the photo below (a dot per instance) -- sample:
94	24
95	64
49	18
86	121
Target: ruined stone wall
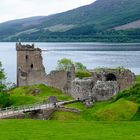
81	88
57	79
103	91
102	85
61	80
124	77
100	91
30	69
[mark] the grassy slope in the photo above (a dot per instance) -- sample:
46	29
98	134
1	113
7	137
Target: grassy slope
120	110
52	130
25	95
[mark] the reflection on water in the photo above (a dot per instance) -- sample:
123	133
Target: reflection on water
91	54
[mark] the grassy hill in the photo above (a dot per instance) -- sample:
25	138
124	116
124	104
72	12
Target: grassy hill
26	95
94	22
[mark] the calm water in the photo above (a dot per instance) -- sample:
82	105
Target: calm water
91	54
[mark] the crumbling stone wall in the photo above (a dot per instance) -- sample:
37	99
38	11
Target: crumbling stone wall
124	77
57	79
103	85
103	91
81	88
30	69
61	79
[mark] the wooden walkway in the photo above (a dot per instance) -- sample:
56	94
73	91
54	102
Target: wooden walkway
13	111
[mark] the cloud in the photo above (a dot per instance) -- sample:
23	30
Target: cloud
13	9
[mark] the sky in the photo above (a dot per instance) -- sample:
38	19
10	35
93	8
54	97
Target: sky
16	9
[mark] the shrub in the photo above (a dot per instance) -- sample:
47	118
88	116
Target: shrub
83	74
5	100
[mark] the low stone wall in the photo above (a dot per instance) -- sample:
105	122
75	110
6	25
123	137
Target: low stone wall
103	91
81	88
99	91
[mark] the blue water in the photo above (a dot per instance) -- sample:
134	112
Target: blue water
91	54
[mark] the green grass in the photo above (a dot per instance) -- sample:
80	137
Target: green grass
89	114
65	116
138	79
117	111
25	95
107	111
132	94
136	117
70	130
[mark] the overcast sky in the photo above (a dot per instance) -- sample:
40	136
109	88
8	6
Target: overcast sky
15	9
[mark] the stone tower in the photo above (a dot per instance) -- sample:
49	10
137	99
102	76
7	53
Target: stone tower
30	69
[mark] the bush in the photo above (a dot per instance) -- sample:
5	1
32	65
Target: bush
83	74
5	100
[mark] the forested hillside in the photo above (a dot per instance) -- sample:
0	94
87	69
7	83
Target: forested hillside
94	22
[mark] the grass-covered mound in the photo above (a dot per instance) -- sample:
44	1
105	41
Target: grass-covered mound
107	111
119	110
28	95
68	130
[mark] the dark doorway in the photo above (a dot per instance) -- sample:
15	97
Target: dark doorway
111	77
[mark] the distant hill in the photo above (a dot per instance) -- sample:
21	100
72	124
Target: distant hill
103	20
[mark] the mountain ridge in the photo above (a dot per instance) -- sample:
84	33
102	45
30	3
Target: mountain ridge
86	23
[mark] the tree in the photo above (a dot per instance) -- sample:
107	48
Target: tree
2	79
80	67
4	97
80	70
64	64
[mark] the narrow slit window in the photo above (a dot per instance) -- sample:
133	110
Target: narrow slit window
32	66
26	57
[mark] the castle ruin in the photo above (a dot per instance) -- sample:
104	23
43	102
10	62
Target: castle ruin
102	85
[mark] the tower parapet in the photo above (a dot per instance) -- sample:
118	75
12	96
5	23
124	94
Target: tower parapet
28	47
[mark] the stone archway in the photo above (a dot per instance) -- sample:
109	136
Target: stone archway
111	77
